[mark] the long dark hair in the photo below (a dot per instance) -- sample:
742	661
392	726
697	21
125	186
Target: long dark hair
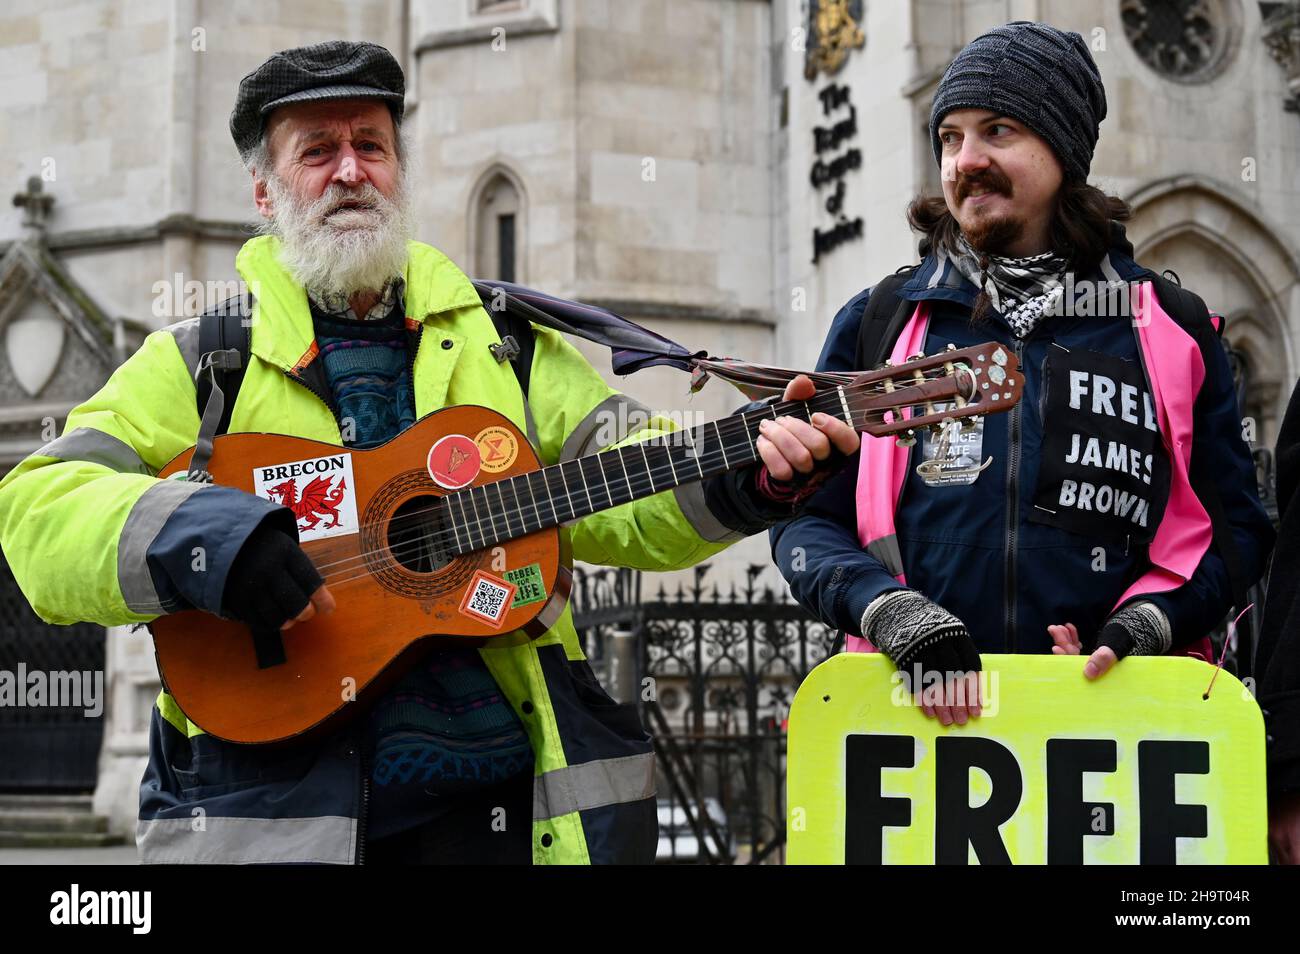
1080	231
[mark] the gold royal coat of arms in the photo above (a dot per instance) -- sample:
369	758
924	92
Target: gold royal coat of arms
832	31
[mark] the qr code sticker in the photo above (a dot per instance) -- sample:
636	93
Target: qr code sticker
488	598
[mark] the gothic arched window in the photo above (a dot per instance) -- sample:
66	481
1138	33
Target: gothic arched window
498	219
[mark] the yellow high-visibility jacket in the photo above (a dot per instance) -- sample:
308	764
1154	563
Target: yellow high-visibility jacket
90	532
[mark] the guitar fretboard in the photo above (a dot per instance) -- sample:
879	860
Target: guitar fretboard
483	516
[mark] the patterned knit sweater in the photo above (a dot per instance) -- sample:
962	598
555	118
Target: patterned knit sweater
445	728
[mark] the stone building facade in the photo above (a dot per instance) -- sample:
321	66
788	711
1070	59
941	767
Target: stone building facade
680	161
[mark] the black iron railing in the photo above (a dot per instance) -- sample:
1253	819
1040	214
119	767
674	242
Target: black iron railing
715	672
45	746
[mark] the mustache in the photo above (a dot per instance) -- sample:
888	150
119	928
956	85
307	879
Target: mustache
337	198
994	180
329	256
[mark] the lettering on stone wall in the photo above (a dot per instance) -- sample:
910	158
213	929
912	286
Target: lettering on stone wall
832	164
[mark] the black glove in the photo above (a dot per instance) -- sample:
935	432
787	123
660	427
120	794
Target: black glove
270	582
911	630
1139	629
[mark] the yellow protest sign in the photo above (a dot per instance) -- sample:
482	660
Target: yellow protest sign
1135	767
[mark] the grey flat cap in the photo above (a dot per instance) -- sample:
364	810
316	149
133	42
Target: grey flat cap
336	69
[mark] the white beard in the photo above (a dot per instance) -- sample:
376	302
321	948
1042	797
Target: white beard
353	251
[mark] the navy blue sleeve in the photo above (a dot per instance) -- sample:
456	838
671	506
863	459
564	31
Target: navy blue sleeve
841	347
818	552
191	555
734	498
1199	604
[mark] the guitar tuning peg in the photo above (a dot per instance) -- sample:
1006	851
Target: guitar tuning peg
907	440
951	346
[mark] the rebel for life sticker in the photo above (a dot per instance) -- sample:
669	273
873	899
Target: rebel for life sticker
1103	471
532	588
320	491
454	462
497	448
487	598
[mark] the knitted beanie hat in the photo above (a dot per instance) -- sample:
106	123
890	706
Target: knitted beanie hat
1044	77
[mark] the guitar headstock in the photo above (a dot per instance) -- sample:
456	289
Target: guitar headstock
982	379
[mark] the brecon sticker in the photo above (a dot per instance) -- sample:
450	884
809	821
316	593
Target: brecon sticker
319	490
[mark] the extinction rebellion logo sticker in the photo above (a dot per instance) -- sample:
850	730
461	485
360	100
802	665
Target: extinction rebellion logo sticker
454	461
319	491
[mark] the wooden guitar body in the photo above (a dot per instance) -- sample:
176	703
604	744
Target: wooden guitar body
393	598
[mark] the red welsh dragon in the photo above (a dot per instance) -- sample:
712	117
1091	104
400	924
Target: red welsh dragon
317	500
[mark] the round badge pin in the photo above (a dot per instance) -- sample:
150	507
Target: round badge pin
498	448
454	462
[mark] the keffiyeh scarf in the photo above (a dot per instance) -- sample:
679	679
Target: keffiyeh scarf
1022	290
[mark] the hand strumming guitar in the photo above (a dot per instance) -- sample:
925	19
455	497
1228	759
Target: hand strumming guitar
273	584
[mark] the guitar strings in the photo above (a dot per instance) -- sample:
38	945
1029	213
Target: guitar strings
644	481
645	478
427	543
728	424
638	484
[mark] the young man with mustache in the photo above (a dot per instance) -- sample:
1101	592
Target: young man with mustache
1112	511
511	753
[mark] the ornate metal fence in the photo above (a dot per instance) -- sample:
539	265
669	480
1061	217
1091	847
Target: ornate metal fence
714	673
44	747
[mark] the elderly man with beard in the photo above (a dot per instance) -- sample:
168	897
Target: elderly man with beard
510	752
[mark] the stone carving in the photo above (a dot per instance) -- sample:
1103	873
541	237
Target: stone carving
1281	35
1183	40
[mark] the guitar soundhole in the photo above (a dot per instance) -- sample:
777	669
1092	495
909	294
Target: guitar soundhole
416	536
395	563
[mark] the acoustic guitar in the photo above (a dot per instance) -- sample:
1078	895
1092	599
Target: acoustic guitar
449	532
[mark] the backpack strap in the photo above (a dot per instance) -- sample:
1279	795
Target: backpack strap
517	342
883	319
517	346
223	356
1190	311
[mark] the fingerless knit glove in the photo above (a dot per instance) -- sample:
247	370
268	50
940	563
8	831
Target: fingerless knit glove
271	580
1138	629
910	629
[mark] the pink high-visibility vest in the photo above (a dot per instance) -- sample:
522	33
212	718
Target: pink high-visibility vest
1176	372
